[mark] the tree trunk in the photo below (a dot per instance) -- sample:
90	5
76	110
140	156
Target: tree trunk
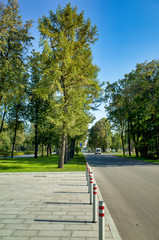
136	152
15	134
134	139
36	131
2	85
2	123
122	139
57	151
129	140
72	148
157	147
62	152
36	140
47	150
42	154
66	150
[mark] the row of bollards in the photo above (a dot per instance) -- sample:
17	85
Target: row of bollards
92	189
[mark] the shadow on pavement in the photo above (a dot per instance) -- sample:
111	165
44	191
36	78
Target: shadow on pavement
63	203
61	221
72	192
72	185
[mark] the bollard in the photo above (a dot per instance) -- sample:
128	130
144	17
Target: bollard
91	189
87	176
101	221
94	203
86	167
90	174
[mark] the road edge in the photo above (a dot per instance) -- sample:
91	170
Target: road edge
108	216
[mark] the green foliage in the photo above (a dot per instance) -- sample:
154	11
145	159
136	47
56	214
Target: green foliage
14	40
53	90
4	144
100	135
116	142
133	107
66	38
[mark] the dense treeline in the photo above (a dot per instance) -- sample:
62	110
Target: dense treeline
133	107
102	136
52	90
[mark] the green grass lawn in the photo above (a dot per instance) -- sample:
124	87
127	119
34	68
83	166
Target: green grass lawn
42	164
139	158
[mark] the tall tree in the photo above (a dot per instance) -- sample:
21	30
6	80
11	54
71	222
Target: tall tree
14	40
115	108
37	106
66	40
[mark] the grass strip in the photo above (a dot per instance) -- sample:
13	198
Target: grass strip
42	164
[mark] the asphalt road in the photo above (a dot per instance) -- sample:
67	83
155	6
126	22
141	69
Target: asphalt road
130	190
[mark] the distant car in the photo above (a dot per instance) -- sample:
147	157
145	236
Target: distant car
98	151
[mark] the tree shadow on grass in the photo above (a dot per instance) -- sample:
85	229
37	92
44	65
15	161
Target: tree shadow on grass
2	167
33	161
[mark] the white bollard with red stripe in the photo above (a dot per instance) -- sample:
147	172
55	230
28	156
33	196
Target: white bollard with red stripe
101	221
91	189
94	203
86	169
89	176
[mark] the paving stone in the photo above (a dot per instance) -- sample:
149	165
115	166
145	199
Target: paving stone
47	227
15	226
46	206
54	233
5	233
24	233
78	227
45	238
84	234
73	238
1	225
16	238
8	216
76	213
12	220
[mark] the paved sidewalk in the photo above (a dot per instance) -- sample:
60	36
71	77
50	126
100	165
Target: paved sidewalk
45	206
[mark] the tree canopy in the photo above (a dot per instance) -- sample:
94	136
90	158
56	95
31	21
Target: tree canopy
100	135
66	38
133	106
53	89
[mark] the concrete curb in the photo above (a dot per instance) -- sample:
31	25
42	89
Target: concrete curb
113	228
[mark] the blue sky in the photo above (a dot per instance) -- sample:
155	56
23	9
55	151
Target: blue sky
128	32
